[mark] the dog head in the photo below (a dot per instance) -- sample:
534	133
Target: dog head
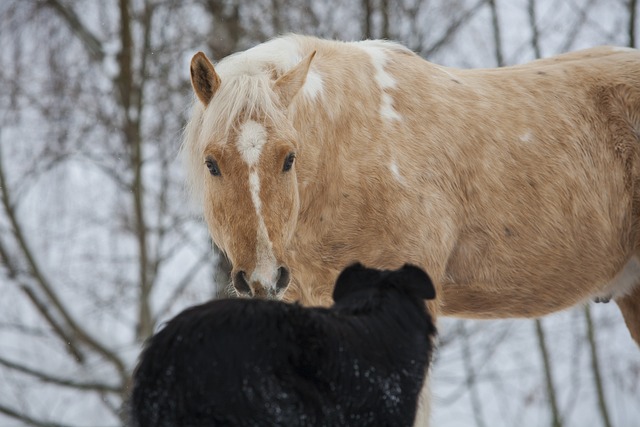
408	279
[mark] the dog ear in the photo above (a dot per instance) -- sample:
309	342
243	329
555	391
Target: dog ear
414	280
352	279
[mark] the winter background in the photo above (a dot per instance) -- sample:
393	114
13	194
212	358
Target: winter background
98	244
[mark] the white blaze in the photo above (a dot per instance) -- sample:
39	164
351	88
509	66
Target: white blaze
252	138
250	142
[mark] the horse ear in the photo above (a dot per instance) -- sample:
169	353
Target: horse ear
292	81
204	79
414	280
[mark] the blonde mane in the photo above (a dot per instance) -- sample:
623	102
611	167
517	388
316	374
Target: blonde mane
245	91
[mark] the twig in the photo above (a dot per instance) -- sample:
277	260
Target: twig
632	23
48	378
452	29
44	284
573	33
535	34
556	420
182	285
595	367
496	33
10	412
90	41
471	379
69	343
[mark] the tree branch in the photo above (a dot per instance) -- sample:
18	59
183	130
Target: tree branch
595	367
69	343
573	33
556	420
497	39
48	378
90	41
535	34
471	379
452	29
182	285
44	284
632	23
10	412
384	10
366	19
129	91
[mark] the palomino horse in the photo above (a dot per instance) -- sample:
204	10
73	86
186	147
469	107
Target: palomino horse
516	188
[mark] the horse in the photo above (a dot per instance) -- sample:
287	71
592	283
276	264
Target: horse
516	188
253	362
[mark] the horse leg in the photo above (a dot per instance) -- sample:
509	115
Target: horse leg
630	308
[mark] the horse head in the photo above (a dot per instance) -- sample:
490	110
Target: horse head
242	147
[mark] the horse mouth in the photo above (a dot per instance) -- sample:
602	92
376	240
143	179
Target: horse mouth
261	293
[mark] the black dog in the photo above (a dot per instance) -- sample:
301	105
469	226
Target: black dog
242	362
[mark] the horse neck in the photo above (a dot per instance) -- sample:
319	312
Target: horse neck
346	126
336	152
314	156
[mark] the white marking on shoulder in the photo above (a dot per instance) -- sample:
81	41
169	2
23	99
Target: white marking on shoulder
526	137
386	108
251	139
393	167
383	78
624	282
379	59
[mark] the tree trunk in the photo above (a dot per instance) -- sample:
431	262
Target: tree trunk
556	420
595	368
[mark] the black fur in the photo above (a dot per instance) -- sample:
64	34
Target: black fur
242	362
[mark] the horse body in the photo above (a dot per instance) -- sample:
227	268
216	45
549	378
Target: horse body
516	188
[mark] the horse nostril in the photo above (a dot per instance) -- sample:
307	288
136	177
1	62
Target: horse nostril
283	278
240	283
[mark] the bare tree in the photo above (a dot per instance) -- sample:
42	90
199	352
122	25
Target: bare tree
367	16
97	246
633	7
113	79
595	367
476	401
556	419
497	39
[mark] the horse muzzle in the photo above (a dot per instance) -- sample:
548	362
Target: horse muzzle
256	289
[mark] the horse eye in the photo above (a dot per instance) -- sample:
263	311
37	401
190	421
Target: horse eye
288	162
212	165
